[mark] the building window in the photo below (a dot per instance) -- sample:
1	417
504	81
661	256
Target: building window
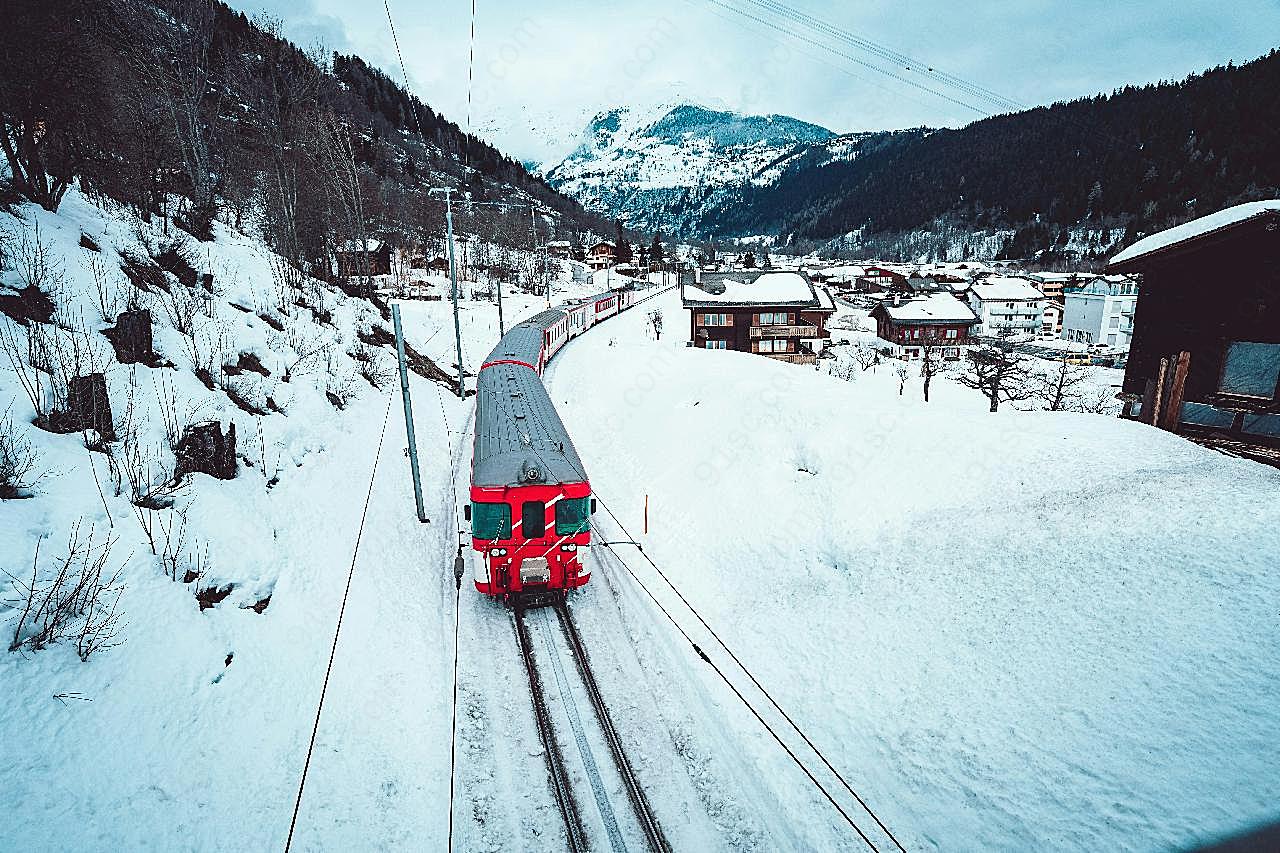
715	320
777	318
952	334
1251	369
773	346
717	344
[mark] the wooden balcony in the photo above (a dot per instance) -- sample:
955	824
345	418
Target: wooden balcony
792	357
802	331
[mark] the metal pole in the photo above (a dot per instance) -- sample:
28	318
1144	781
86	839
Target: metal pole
533	219
501	330
408	414
453	277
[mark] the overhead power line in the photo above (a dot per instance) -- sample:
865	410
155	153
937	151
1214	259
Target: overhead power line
905	61
772	24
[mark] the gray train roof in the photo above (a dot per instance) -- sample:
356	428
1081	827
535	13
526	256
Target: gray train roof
517	427
523	342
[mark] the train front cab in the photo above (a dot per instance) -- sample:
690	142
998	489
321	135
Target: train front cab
511	563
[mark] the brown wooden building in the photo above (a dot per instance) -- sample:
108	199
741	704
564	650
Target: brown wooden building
781	315
373	257
936	319
1205	355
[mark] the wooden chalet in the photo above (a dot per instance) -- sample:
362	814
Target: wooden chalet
937	320
602	255
781	315
1205	354
368	257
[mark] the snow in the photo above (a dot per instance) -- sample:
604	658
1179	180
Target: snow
159	743
1011	631
1196	228
776	288
934	306
1005	287
1017	631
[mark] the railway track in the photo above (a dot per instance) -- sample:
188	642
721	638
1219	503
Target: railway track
562	779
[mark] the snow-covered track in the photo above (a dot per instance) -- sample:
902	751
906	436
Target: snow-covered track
575	836
618	831
639	802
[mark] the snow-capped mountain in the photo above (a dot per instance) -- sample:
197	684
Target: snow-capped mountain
667	168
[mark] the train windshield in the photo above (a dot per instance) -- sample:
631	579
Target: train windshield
490	521
533	519
573	515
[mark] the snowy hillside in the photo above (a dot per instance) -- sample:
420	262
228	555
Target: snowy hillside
1020	631
187	725
659	168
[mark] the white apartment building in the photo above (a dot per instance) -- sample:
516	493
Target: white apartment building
1101	312
1006	305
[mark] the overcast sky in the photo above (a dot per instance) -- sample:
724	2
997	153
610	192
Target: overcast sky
542	69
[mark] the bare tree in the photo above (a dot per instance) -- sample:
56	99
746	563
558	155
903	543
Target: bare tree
655	322
903	374
1000	373
865	355
175	59
1065	387
932	362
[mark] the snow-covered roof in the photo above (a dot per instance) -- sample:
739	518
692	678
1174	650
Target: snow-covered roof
1196	228
775	288
936	307
355	245
825	302
1005	287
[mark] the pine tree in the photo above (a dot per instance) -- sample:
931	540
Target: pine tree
656	256
623	252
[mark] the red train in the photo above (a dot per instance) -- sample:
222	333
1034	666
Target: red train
531	503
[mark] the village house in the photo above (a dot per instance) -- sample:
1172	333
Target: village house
1051	320
602	255
1055	285
878	279
1101	312
914	323
781	315
558	249
1206	362
1006	305
370	257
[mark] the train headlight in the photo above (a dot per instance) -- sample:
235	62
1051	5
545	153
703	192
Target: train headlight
569	547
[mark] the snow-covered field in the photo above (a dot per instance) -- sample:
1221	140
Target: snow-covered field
1012	631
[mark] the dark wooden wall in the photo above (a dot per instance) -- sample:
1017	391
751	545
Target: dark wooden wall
1227	289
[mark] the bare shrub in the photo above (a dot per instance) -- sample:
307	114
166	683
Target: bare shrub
183	306
176	416
75	598
49	358
20	469
371	363
17	348
105	287
865	355
37	266
152	487
340	388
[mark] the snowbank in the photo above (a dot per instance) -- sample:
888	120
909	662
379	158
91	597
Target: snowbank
1013	631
